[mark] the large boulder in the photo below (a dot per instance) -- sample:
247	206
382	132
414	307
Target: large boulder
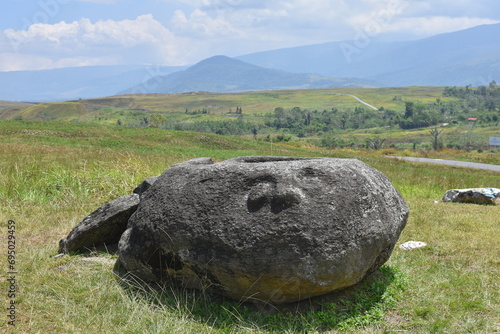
273	229
473	195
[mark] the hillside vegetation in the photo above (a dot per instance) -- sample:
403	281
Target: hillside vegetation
331	118
56	173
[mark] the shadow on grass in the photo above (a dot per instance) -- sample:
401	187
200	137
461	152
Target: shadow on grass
363	304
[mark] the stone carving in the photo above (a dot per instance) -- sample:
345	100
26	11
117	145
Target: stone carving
273	229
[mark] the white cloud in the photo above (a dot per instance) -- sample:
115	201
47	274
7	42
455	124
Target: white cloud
196	29
300	21
143	30
142	40
200	25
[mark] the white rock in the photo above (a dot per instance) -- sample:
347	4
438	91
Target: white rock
473	195
409	245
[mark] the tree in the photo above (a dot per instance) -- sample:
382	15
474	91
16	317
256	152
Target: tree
343	121
409	109
156	120
436	134
279	115
254	132
308	119
375	143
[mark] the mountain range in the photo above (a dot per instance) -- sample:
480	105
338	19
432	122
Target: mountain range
470	56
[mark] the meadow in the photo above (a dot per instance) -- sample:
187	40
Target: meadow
329	118
56	173
129	108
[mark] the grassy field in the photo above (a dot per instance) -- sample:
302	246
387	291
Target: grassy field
128	108
54	174
417	142
179	111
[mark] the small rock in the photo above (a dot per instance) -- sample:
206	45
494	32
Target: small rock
145	185
473	195
103	226
409	245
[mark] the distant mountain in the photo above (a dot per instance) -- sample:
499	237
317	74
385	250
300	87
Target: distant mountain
75	82
223	74
470	56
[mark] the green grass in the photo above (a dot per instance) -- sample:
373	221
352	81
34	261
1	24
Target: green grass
54	174
131	108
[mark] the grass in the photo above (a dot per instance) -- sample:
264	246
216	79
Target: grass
132	108
54	174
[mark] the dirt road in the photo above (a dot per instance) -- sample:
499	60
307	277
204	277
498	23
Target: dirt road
451	163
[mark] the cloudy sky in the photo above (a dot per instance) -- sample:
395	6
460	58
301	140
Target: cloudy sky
43	34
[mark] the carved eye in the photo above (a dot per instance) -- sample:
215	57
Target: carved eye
285	198
259	196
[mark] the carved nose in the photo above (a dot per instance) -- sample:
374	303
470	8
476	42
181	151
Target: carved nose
277	196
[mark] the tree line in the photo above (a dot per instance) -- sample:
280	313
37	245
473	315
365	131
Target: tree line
481	103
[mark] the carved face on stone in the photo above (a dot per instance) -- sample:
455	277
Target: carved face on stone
272	228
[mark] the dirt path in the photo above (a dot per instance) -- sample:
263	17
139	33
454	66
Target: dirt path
357	98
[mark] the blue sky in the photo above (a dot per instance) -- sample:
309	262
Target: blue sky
44	34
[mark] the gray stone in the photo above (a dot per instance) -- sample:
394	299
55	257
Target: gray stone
103	226
273	229
473	195
145	185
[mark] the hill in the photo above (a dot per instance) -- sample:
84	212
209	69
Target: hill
198	106
223	74
324	117
470	56
8	108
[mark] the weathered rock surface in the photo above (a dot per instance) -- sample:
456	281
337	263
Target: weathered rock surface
103	226
473	195
145	185
274	229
